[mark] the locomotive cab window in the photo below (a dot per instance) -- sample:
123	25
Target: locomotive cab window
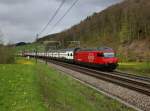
71	54
109	55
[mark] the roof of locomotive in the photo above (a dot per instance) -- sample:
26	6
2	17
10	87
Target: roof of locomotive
96	49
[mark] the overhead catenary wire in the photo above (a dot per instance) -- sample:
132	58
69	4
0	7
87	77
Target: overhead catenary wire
52	18
69	9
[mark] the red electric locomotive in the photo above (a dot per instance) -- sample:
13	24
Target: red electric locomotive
102	58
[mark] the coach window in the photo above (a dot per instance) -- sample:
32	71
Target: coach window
68	54
71	54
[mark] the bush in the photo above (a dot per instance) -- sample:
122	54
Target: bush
7	55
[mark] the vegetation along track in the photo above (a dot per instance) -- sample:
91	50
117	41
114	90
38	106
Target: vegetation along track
137	83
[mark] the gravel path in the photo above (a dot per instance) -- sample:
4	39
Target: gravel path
131	98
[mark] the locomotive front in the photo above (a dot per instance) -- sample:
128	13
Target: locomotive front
107	57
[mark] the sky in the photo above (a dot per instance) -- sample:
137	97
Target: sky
21	20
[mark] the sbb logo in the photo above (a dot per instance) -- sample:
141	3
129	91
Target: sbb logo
91	57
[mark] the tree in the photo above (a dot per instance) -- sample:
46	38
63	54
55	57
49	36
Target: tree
124	31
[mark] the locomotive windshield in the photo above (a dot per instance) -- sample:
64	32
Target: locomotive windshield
109	54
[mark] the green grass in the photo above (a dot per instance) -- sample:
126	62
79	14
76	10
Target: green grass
138	68
18	89
27	86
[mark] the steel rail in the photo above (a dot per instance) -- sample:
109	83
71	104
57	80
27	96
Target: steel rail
144	78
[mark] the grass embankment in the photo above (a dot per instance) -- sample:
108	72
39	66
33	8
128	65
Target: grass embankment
31	87
138	68
19	90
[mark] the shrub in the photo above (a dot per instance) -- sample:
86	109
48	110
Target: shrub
7	55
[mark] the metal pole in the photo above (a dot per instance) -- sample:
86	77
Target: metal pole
46	58
36	48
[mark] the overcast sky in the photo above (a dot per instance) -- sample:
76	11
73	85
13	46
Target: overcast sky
20	20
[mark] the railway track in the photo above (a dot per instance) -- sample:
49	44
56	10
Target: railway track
132	76
133	82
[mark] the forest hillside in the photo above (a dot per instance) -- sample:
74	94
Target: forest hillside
124	26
